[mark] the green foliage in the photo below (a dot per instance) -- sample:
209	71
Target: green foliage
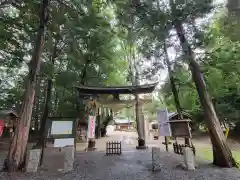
84	40
115	42
221	68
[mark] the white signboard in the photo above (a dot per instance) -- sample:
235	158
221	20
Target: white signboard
61	127
63	142
91	127
164	126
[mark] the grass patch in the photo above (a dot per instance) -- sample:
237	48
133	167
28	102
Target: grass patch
206	153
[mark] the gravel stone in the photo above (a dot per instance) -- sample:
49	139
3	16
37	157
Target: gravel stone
131	165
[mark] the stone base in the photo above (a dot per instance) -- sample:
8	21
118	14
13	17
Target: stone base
32	161
141	147
91	143
165	143
183	166
141	144
90	149
189	158
156	160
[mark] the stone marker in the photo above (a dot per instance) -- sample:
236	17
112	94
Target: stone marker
156	159
189	158
32	161
69	153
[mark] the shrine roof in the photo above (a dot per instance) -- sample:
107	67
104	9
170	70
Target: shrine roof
140	89
123	121
173	115
7	112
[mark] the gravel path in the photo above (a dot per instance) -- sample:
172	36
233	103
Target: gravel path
132	164
129	166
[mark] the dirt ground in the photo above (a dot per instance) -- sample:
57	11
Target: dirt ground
204	139
129	142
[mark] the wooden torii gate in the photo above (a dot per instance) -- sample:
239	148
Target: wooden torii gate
115	91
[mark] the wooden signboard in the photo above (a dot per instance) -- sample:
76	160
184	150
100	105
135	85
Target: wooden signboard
180	128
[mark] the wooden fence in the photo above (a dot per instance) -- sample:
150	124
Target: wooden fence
178	148
113	148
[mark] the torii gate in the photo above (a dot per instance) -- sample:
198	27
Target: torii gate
115	91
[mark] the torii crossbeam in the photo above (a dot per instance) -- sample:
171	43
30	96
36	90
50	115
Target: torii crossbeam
116	91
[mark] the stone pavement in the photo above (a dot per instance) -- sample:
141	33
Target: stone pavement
131	165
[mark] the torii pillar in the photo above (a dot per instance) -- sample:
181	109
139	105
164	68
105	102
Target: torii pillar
140	124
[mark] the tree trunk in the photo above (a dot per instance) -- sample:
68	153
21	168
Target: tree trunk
174	91
91	142
137	115
222	153
47	105
37	104
56	100
36	124
82	82
18	147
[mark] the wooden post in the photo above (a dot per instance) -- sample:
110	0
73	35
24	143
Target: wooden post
166	142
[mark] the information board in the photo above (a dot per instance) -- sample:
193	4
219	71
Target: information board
163	121
61	127
180	128
58	128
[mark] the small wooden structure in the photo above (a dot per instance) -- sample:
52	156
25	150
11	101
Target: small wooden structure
81	131
123	124
113	148
175	116
180	129
9	117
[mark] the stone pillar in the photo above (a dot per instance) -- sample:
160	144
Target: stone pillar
140	124
32	161
156	160
189	158
69	157
146	130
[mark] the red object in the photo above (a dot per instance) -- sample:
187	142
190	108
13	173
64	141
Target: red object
91	127
1	127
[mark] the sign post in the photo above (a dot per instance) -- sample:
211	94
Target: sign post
164	126
63	131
